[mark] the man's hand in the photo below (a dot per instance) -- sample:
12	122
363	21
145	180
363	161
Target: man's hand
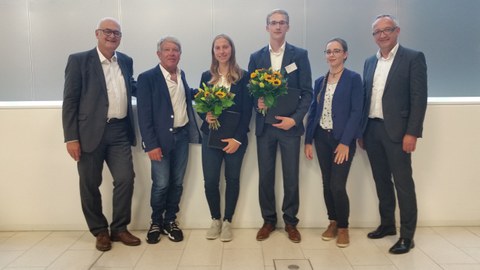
155	154
74	150
409	143
286	123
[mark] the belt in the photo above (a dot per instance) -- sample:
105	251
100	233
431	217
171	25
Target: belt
177	129
115	120
376	119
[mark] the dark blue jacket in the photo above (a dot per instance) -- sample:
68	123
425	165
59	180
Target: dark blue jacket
155	111
347	108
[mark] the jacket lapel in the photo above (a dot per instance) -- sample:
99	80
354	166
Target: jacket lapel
96	66
396	63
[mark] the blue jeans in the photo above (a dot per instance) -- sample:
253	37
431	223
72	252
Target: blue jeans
211	163
167	180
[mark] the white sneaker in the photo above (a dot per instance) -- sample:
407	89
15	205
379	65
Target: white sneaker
226	234
214	230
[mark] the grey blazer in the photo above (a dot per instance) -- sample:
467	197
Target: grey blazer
404	100
85	100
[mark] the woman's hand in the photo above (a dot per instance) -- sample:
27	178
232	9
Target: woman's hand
308	151
210	118
341	153
232	146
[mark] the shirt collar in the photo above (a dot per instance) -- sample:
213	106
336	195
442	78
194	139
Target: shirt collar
103	58
165	72
281	50
391	54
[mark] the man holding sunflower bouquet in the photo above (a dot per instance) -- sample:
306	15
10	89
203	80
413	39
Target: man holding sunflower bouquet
286	63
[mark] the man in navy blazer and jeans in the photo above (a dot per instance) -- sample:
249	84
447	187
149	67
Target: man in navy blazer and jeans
395	81
294	63
167	124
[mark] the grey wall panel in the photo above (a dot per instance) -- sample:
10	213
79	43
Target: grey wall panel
449	34
38	36
59	28
15	73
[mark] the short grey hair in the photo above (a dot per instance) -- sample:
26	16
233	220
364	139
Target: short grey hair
169	39
108	19
391	17
279	11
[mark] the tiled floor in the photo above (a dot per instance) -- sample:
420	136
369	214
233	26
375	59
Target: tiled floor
451	248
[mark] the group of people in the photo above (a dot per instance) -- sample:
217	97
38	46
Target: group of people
384	114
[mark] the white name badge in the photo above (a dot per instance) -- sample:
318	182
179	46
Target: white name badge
291	68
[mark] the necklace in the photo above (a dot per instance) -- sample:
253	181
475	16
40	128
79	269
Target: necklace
335	73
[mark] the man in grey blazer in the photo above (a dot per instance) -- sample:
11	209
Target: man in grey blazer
98	126
294	63
395	81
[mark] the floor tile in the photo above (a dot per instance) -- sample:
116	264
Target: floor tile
23	240
278	246
121	256
458	236
76	260
333	259
240	259
155	258
440	250
200	251
47	250
8	256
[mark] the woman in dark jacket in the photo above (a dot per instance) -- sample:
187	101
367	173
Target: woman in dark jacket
333	124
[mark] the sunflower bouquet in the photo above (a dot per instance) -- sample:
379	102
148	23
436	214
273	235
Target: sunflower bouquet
267	84
213	99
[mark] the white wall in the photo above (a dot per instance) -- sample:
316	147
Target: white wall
39	182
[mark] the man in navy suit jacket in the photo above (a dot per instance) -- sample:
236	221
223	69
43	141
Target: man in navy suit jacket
293	61
395	81
167	124
98	126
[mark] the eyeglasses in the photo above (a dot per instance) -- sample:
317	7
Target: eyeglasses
386	31
332	52
108	32
275	23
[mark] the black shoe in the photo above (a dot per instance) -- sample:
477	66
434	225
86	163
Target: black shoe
402	246
174	233
382	231
153	234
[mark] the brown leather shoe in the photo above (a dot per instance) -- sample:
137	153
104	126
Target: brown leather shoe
293	233
126	237
265	231
103	242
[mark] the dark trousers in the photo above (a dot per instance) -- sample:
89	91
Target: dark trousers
388	159
115	150
212	159
334	176
267	145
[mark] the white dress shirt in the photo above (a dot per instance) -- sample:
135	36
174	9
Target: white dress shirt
276	57
177	96
379	81
116	89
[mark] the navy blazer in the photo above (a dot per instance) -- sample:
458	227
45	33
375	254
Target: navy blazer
347	108
301	78
155	111
85	98
404	100
243	105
